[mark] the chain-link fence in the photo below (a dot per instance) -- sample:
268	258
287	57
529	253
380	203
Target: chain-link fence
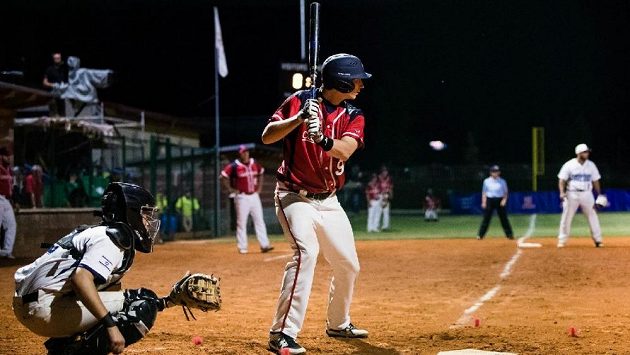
182	178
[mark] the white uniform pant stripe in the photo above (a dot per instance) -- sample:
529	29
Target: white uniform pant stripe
585	201
55	315
309	225
245	206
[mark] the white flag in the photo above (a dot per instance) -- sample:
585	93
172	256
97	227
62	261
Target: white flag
221	63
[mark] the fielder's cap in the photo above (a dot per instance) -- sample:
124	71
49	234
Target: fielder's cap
495	168
243	148
581	148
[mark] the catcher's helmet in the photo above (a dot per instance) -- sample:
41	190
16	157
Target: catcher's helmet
134	206
338	71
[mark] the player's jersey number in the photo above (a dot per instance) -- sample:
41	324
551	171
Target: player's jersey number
340	168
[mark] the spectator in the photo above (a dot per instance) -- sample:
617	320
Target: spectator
243	178
373	197
494	196
431	206
34	186
161	202
186	206
386	187
19	196
7	217
75	192
57	73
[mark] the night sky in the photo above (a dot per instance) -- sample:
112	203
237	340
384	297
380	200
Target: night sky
471	73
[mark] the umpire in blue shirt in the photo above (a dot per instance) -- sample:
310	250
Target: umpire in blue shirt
494	196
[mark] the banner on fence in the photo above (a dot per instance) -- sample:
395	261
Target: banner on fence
534	202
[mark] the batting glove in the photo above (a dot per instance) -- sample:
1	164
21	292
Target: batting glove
314	129
310	110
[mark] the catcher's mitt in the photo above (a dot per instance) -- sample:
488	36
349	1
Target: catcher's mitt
198	291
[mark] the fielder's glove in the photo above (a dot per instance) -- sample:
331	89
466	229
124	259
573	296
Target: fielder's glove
601	202
198	291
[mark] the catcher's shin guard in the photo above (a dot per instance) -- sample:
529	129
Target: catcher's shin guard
134	322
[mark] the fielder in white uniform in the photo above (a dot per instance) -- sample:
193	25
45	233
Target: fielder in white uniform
72	294
576	180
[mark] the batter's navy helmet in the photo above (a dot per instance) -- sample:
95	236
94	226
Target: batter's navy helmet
338	71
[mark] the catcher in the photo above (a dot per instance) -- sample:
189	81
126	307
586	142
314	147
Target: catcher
72	293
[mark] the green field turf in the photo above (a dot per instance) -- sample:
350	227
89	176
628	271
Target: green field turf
414	227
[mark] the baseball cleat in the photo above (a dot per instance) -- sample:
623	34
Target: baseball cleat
510	237
599	244
560	245
266	249
348	332
280	341
479	237
242	251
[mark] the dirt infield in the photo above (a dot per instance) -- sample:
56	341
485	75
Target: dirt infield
408	296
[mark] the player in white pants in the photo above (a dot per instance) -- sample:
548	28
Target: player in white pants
373	197
72	292
244	179
7	217
320	130
576	180
386	188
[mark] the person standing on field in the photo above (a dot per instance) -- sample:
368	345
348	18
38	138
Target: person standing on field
373	197
244	179
386	187
576	180
320	130
494	196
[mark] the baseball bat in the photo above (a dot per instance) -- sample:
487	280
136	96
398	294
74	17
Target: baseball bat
313	48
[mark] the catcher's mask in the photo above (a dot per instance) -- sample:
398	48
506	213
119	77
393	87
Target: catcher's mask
134	206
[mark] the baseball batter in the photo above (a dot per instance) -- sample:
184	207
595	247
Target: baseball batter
244	178
319	136
576	180
72	295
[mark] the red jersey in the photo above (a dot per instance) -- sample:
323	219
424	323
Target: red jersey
431	203
33	185
372	191
306	165
385	184
6	181
243	177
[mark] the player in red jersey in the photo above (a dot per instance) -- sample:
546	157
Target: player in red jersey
319	136
243	178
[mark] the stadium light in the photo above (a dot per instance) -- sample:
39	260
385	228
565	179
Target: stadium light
297	80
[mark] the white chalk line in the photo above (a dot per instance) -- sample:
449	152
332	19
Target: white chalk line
278	257
507	271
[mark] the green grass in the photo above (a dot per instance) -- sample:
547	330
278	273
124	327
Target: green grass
453	227
414	227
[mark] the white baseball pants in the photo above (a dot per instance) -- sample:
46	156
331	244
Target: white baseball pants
246	205
430	214
55	315
7	218
586	201
374	214
309	225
